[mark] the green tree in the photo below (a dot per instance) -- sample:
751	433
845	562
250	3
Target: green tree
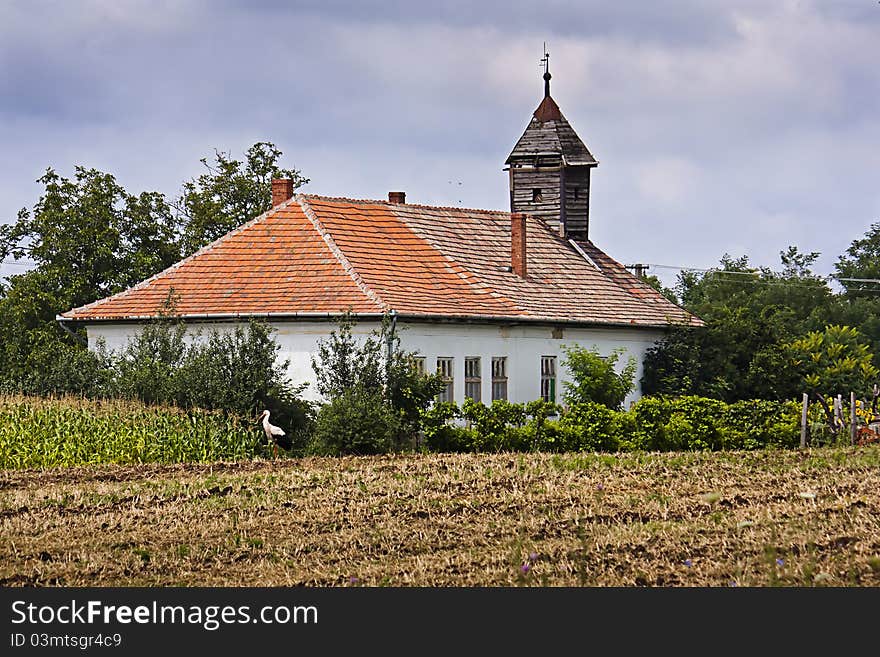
657	284
861	297
749	313
595	377
88	238
354	375
229	194
861	261
831	362
342	361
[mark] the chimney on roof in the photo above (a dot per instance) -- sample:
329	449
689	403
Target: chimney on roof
282	190
518	243
397	197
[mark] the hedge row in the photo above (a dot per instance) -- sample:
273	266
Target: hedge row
651	424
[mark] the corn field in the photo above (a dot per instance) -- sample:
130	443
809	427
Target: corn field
47	433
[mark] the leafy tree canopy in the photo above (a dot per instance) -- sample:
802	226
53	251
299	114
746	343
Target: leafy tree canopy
861	261
749	312
229	194
835	361
89	238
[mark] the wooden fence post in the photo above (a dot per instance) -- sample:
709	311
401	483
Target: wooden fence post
838	413
852	418
806	403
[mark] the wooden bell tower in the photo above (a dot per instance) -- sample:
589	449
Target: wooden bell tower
550	169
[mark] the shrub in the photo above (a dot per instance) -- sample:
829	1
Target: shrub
756	423
147	368
543	434
589	426
496	428
440	431
653	424
596	378
376	363
356	421
501	426
683	423
57	368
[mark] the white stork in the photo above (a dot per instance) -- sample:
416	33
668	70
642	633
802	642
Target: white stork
273	433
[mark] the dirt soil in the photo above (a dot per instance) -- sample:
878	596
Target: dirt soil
769	518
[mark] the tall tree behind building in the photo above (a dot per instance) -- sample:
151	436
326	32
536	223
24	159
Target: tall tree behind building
229	194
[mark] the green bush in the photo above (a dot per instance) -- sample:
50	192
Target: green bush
501	426
757	423
356	421
682	423
56	368
441	433
543	433
497	428
343	364
652	424
595	377
589	426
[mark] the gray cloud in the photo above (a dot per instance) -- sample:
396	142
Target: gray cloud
720	127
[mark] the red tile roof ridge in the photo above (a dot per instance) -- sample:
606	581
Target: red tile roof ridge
180	263
404	205
338	254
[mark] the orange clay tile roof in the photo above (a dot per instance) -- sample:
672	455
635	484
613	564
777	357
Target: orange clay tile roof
319	256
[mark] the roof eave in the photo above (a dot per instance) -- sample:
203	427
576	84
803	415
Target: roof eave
401	316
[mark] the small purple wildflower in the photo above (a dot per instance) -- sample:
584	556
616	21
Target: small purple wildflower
599	486
353	580
732	583
533	556
525	567
688	563
780	562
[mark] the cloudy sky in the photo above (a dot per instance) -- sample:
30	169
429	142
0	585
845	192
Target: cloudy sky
721	126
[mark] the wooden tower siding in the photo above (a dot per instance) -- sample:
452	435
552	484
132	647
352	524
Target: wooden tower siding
552	158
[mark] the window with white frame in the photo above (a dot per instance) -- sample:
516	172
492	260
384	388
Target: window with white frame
472	378
444	369
548	378
499	377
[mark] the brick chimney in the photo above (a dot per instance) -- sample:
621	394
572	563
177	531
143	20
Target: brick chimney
282	190
397	197
518	243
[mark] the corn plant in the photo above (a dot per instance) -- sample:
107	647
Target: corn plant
45	433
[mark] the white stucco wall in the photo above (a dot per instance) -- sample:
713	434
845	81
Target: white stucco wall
523	345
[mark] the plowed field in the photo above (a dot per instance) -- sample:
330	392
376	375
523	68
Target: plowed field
769	518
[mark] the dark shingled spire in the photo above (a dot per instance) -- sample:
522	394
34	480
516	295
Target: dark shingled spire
549	133
550	169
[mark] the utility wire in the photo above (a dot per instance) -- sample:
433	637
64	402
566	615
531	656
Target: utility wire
14	263
755	273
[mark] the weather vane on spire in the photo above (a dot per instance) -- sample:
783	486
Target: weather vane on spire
545	61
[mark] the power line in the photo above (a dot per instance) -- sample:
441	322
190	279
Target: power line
759	273
16	263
